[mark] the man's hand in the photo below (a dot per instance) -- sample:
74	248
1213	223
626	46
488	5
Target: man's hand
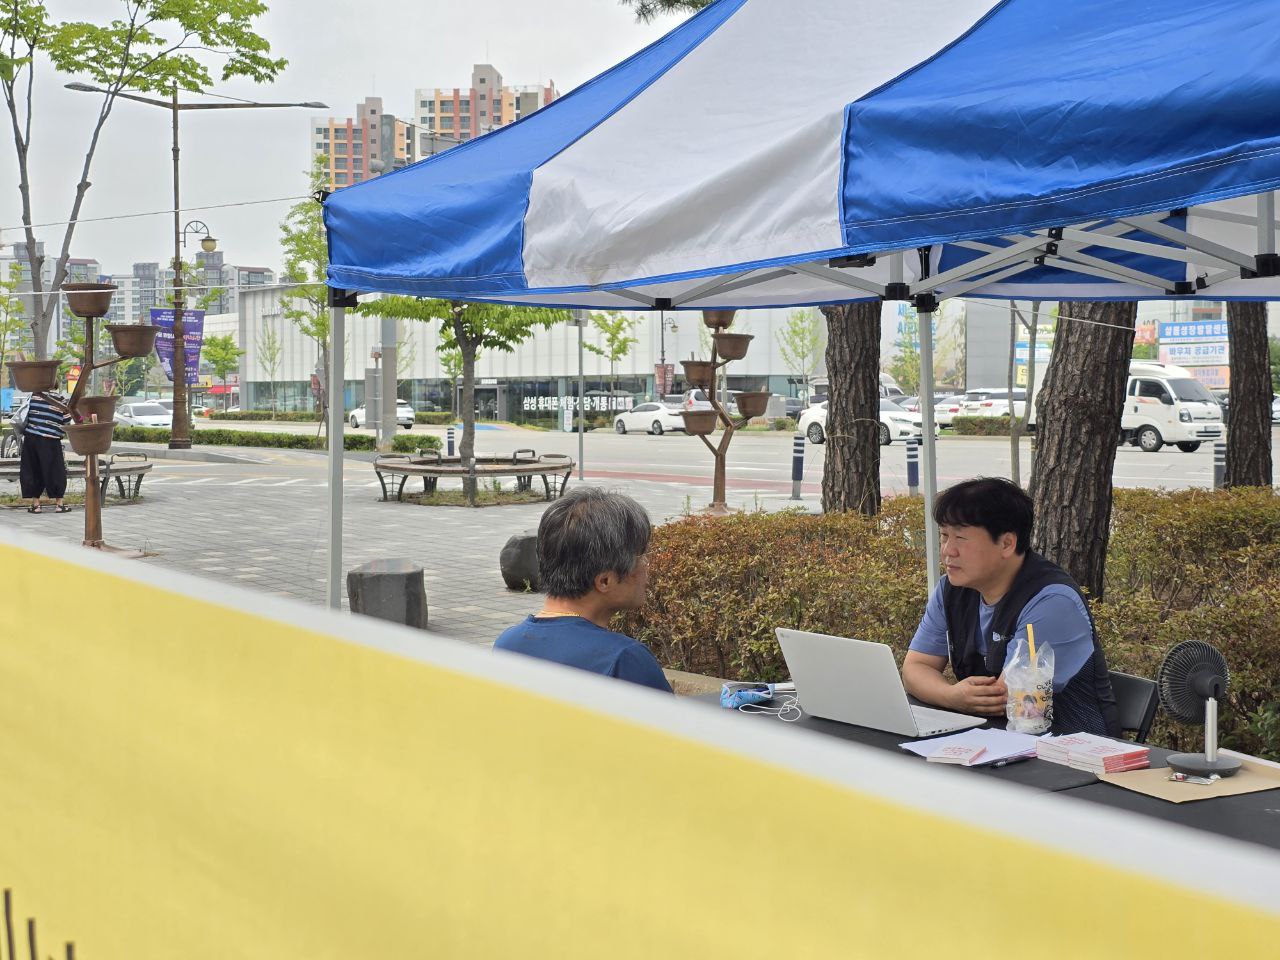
984	696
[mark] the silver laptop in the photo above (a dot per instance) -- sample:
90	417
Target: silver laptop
857	682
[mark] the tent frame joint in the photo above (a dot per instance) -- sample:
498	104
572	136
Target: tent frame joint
925	302
343	298
854	260
1265	265
897	291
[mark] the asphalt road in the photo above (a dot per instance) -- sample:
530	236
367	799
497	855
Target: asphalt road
762	461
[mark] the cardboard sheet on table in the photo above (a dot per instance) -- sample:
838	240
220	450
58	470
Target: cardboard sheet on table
1255	775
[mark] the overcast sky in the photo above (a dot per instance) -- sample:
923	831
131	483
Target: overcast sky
338	52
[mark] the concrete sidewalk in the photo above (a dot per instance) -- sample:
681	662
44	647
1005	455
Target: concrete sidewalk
265	529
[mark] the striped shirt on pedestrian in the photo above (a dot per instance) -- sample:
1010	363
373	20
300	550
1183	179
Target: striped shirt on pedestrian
47	415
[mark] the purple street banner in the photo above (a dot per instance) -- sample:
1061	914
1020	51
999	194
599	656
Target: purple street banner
192	333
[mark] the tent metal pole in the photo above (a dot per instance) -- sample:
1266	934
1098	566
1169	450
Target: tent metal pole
337	380
1266	222
929	448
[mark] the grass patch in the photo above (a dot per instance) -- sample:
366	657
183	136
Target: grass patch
12	500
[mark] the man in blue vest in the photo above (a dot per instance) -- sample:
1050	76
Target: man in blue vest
994	586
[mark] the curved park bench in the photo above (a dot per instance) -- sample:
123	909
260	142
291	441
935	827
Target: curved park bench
524	465
126	469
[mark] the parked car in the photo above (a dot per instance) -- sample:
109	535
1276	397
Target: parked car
992	402
148	413
1275	408
655	418
895	423
795	407
947	409
404	415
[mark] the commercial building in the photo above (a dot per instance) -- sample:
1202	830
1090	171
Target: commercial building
529	385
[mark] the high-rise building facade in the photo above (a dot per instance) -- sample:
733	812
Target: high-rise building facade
459	114
357	148
151	285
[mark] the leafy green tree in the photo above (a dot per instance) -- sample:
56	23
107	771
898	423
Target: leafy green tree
1274	351
12	321
905	367
800	344
224	356
615	328
451	367
467	328
306	263
269	351
149	46
1145	351
648	10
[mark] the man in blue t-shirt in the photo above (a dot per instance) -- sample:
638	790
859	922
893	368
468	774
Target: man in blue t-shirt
995	585
591	555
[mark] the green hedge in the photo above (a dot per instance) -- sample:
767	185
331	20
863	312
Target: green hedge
981	426
1185	565
287	416
254	438
442	419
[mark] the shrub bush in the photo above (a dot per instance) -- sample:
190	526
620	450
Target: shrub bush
254	438
981	426
286	416
1183	565
780	424
444	418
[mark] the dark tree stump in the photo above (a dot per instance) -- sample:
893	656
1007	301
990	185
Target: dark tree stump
392	590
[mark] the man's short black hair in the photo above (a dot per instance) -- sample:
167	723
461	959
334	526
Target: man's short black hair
588	532
997	505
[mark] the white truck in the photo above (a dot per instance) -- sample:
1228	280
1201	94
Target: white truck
1166	404
1163	404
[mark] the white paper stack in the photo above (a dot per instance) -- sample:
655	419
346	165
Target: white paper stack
993	746
1086	751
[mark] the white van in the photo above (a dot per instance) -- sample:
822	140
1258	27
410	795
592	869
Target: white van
1166	404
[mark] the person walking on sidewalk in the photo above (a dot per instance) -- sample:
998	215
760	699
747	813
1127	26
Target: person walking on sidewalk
43	469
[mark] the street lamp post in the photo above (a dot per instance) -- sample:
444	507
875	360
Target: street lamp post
180	432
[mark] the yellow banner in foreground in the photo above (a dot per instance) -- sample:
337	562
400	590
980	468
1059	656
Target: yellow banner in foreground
248	778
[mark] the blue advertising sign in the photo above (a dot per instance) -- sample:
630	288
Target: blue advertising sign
192	333
1192	331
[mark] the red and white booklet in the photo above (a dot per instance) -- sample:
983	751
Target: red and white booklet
1087	751
961	753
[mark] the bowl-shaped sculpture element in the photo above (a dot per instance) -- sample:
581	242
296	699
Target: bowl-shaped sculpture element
699	422
89	300
752	405
104	408
699	373
718	319
88	439
31	376
732	346
132	339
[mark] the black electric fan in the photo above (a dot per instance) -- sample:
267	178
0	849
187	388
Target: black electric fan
1192	679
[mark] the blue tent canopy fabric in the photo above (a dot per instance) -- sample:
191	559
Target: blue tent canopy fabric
1094	149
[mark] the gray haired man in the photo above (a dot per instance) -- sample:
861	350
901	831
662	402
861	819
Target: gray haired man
591	552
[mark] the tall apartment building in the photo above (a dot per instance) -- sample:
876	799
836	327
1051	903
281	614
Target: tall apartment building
456	114
357	148
79	270
151	285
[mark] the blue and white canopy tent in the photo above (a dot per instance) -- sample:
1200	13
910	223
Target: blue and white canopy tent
794	152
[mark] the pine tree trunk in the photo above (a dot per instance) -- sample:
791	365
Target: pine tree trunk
1249	404
851	480
1079	428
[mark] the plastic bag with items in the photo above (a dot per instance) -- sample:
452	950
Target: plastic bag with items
1029	679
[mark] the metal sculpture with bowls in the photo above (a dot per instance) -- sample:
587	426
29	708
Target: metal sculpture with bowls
90	436
701	374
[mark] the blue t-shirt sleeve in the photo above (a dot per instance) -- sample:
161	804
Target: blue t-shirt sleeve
931	635
1061	621
637	664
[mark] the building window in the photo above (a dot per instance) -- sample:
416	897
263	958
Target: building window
357	134
339	178
340	148
424	104
464	104
446	106
446	123
322	131
484	112
482	80
340	164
